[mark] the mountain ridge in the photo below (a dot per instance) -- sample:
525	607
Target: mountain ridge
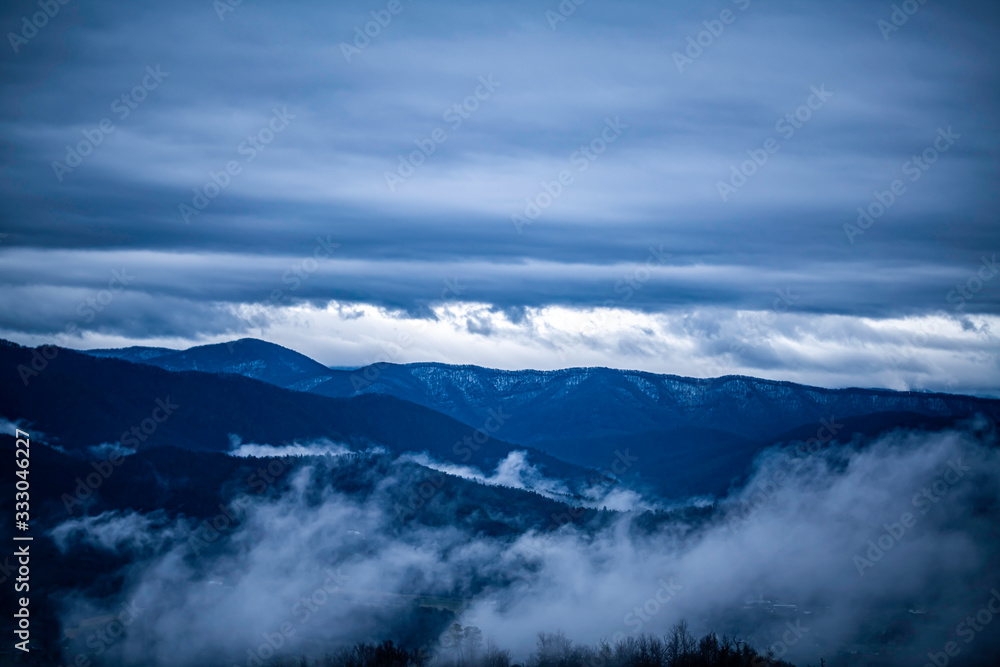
101	399
134	354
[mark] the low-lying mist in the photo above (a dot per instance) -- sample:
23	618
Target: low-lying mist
886	546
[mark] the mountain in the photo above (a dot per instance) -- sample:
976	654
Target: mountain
577	403
248	357
136	354
595	402
686	435
80	401
419	551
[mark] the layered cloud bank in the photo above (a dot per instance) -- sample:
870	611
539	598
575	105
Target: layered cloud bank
686	184
938	351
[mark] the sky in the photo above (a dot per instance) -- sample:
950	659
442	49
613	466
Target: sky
799	191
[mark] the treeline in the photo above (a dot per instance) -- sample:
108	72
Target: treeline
678	648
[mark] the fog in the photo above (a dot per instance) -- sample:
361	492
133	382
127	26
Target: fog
517	472
904	527
320	447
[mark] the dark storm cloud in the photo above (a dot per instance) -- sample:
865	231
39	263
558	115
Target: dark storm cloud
553	89
58	281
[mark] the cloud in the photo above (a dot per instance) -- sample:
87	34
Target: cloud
108	450
793	538
321	447
324	176
517	472
9	427
514	471
939	351
118	532
797	545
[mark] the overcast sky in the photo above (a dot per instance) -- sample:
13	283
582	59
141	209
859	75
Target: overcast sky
577	207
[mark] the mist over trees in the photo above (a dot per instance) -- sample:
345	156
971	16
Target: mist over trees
465	647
